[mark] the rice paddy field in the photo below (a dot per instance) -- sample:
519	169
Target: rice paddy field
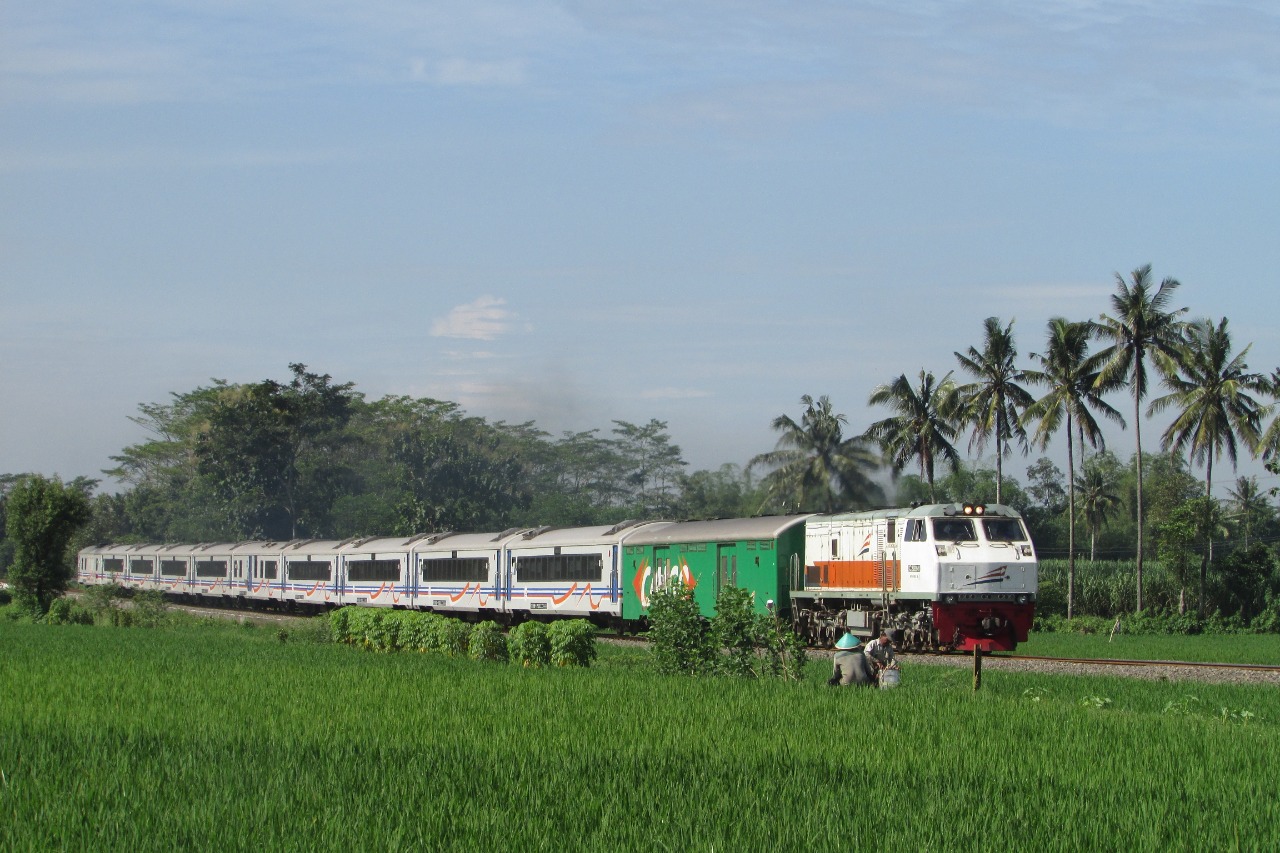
223	737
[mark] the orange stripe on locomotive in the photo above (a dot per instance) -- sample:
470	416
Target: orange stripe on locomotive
853	574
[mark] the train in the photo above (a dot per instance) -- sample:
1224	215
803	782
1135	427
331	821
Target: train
938	576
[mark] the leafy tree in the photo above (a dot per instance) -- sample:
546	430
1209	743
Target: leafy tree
41	515
1142	325
455	476
1187	529
168	500
994	402
727	492
922	430
814	467
976	484
269	449
1210	390
1045	487
1097	490
652	465
1072	377
1249	575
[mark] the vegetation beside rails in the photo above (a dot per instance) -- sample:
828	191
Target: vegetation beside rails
568	642
207	734
1242	593
1207	648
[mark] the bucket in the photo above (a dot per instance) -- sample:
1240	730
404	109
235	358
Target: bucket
889	679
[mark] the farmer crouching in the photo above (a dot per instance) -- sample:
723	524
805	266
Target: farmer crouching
850	664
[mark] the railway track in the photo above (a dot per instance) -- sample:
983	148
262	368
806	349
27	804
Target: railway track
1255	667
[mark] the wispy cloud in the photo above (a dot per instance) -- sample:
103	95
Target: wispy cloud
467	72
674	394
485	319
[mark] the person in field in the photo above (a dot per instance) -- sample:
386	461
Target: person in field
879	653
850	666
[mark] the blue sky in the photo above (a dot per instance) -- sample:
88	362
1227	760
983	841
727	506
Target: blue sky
576	212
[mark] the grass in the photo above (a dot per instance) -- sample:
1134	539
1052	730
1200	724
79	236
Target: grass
1211	648
211	736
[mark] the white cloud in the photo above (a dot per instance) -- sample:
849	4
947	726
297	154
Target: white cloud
467	72
485	319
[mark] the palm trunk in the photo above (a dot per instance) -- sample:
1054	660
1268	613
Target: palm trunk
1137	432
1071	523
999	464
1208	532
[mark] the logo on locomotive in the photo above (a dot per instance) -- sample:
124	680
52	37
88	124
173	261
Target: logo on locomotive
996	575
649	579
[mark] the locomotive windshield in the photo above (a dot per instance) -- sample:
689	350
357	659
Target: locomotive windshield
1003	530
954	530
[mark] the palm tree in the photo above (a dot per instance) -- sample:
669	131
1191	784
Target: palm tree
815	466
1098	501
1250	504
993	404
1269	445
1143	325
1211	391
1071	375
922	429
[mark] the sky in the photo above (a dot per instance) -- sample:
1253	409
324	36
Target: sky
582	212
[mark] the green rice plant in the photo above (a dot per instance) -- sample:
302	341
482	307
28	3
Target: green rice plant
530	644
108	745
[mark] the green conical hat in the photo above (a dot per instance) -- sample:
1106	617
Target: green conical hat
848	641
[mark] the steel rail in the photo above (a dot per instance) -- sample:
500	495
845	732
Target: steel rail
1258	667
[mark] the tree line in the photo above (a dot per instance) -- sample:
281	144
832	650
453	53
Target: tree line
309	457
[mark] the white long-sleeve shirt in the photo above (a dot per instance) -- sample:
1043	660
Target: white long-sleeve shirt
878	652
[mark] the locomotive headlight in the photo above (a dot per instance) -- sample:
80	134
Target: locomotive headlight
1022	599
974	509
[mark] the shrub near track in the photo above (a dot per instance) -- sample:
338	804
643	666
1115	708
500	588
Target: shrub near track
210	737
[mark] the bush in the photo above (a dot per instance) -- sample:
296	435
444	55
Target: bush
487	643
573	643
785	652
150	608
318	629
101	598
733	630
64	611
679	637
451	636
530	645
